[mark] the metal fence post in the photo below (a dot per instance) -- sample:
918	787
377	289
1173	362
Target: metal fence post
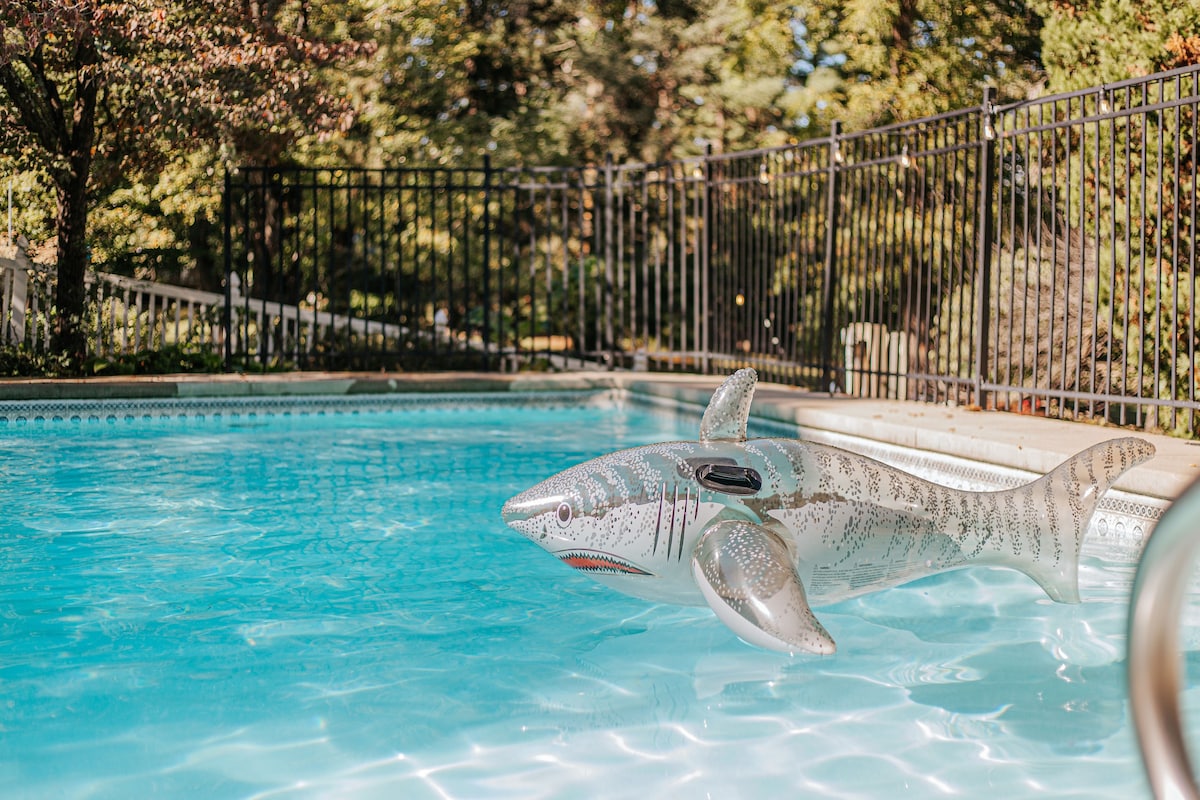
227	312
487	262
985	234
705	261
609	346
832	207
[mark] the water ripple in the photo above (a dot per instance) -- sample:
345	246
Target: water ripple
329	607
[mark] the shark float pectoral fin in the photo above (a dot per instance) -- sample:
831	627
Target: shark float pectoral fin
745	573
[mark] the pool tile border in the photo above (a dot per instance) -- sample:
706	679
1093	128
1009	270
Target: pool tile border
13	412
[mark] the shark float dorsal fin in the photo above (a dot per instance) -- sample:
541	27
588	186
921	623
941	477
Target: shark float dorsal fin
729	408
745	573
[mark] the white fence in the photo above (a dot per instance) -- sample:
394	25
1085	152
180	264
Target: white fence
14	291
292	331
876	360
126	315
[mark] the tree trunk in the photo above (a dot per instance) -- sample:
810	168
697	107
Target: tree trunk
70	336
902	31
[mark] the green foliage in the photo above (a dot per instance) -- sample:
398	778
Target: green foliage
558	82
19	362
169	360
1092	42
33	202
869	63
666	81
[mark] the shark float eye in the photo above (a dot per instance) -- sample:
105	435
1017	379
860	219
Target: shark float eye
564	514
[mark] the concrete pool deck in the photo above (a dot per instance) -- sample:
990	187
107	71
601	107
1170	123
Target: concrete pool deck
1032	444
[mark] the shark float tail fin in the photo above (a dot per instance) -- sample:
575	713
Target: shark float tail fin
1047	519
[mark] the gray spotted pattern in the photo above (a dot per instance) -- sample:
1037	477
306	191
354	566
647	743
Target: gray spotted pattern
820	525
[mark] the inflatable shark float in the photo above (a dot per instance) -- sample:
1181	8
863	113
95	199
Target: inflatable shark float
761	529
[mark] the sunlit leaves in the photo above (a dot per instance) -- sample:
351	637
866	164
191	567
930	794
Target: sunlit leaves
97	92
1102	41
184	71
870	62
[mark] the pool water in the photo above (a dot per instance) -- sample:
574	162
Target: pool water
328	605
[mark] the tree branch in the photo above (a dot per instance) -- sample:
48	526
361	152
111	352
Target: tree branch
35	116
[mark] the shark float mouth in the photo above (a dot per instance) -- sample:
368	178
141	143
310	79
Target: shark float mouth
597	562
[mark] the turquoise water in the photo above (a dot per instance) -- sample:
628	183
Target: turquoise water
308	606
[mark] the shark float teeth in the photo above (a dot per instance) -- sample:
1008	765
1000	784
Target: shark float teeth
596	562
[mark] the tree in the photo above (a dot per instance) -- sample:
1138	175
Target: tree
556	82
90	90
869	63
666	80
1091	42
446	79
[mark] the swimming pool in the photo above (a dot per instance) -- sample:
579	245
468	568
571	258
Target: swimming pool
325	603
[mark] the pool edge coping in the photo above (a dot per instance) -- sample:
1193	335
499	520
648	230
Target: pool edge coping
1001	439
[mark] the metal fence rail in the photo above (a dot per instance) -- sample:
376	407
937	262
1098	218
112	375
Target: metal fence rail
1038	256
1095	284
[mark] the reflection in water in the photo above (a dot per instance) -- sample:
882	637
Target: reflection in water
1032	695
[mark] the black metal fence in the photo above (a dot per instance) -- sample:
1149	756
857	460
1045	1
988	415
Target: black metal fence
1039	256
